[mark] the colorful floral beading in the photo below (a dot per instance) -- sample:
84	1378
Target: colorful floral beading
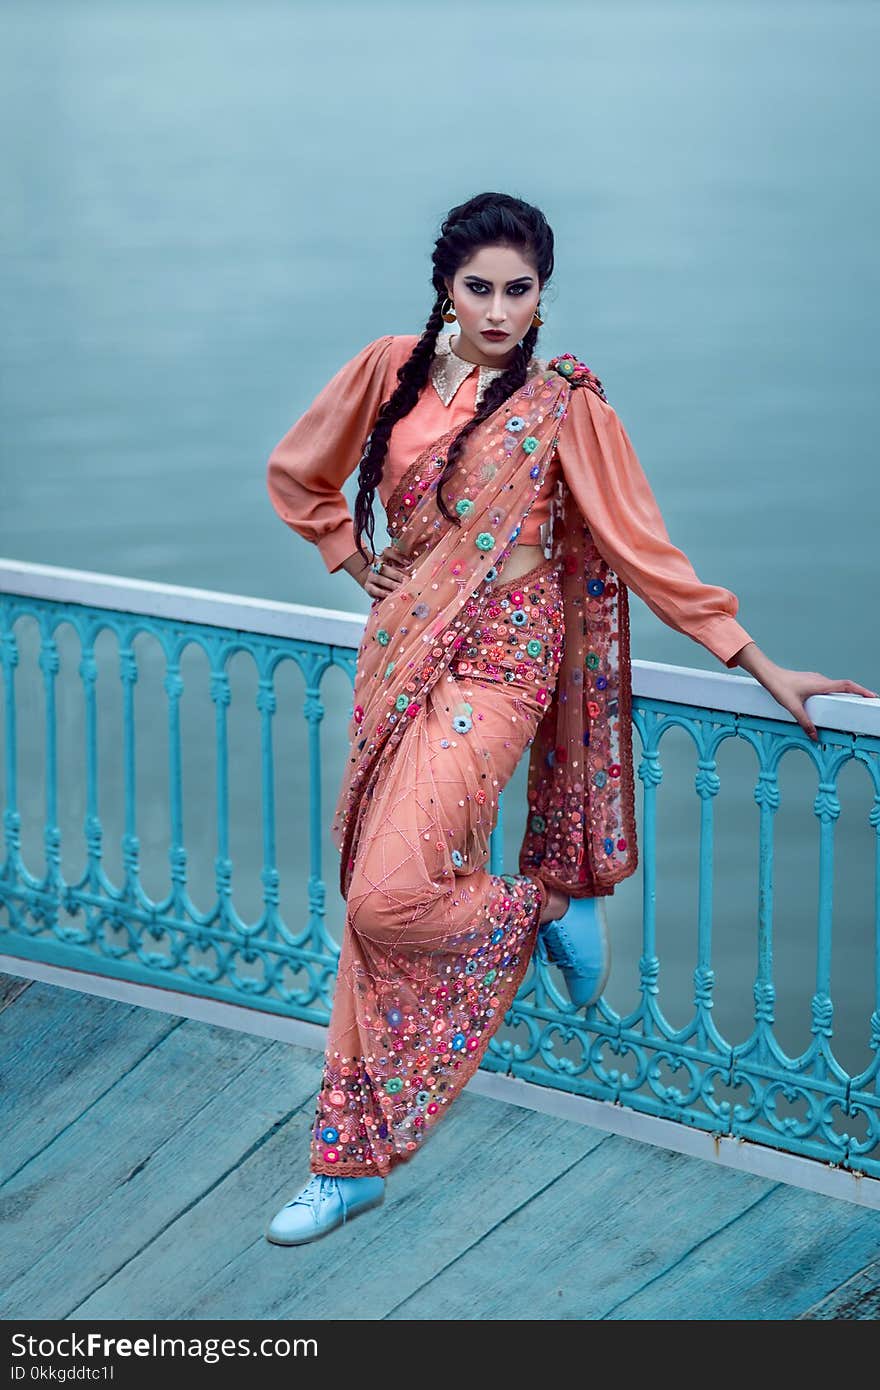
428	1031
577	373
506	645
580	836
435	945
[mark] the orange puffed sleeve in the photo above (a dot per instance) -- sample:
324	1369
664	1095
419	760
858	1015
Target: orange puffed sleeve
308	466
609	485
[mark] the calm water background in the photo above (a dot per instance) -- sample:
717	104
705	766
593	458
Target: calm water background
209	207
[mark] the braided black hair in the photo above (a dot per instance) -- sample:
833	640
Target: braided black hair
488	219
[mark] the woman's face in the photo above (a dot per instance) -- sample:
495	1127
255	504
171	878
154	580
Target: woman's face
496	289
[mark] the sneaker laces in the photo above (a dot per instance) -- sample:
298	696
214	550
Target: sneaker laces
318	1190
559	946
559	943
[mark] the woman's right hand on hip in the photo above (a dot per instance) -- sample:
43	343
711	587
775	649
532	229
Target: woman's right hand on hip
395	571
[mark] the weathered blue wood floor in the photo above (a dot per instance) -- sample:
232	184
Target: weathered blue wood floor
141	1156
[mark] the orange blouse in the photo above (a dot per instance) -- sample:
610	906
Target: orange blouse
323	448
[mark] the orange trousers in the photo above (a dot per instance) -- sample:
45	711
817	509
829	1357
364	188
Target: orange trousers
435	946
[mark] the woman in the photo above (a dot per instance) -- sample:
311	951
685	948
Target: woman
518	515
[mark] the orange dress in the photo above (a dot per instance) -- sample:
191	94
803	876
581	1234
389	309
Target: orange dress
435	946
323	448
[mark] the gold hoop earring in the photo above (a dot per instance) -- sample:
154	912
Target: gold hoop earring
448	315
537	320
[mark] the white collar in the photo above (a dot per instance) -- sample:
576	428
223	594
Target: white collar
448	371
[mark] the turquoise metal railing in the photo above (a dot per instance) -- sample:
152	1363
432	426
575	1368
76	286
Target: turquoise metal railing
117	929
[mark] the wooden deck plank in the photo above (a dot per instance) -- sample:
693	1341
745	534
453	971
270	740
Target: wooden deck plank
165	1133
154	1150
583	1243
678	1239
777	1260
11	986
59	1051
216	1263
857	1299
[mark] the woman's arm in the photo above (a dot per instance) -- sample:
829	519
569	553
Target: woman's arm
322	449
614	496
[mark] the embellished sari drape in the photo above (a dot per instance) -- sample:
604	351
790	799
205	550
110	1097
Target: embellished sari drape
457	675
459	672
581	834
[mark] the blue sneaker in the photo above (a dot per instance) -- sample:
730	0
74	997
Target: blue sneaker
578	943
324	1203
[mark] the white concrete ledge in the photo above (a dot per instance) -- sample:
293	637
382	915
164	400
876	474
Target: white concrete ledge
178	603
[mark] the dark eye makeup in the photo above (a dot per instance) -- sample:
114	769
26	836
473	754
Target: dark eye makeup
478	288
